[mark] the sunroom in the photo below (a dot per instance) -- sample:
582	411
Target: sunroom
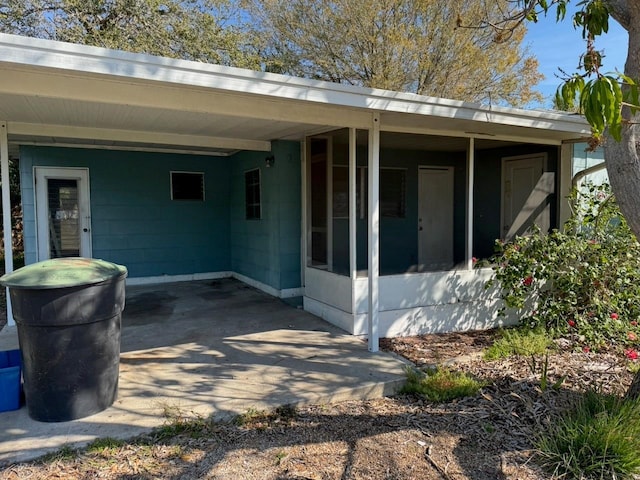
442	200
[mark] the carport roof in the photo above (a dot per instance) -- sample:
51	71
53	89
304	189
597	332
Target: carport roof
65	94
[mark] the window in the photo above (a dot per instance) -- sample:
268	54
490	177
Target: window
187	186
392	192
252	194
340	191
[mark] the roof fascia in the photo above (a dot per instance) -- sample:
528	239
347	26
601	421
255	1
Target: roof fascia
82	59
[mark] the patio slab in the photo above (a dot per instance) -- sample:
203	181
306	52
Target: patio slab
211	348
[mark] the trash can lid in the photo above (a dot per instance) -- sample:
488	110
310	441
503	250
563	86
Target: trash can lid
62	273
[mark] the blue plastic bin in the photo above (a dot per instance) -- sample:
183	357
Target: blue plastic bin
10	380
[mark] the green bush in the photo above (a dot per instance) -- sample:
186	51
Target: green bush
440	384
519	342
599	439
584	280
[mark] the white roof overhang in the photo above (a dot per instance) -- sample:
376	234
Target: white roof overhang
65	94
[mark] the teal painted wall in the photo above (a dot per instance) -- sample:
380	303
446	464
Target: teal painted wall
268	250
487	193
399	236
135	222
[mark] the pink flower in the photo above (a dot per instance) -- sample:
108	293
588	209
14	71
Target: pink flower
571	323
527	281
632	336
474	260
614	316
631	354
586	349
633	323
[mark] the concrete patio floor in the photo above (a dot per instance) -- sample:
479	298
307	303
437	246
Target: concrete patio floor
210	348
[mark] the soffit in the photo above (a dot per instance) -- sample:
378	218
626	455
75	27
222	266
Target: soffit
51	83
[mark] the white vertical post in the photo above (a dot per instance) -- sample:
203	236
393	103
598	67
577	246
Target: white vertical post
353	252
329	204
470	182
305	216
6	211
374	232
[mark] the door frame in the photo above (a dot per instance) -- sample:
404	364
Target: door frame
529	156
450	172
42	173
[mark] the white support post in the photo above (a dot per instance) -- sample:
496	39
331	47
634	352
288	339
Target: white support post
305	216
353	170
6	211
374	233
470	183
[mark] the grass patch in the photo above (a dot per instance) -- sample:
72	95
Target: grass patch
262	419
520	342
440	384
100	445
598	439
179	422
65	453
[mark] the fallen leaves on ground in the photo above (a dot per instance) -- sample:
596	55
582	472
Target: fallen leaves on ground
487	436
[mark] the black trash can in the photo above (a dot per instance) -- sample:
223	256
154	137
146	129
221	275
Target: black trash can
68	313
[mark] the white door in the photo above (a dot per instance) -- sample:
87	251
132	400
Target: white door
519	179
62	212
435	218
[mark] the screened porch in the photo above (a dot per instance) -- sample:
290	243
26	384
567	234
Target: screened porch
442	202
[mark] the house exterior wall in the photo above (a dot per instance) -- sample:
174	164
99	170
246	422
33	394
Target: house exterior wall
582	159
399	236
268	250
135	222
487	193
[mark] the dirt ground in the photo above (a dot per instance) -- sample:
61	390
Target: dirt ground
489	436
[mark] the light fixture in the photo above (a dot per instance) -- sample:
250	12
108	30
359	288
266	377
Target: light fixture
269	161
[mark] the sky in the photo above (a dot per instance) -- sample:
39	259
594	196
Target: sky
560	45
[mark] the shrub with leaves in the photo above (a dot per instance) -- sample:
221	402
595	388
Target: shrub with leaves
583	280
519	342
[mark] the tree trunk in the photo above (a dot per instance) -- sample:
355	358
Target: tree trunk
622	160
634	390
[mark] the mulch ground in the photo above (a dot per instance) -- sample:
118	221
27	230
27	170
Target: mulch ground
489	436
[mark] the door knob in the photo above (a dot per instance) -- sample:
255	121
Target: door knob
85	230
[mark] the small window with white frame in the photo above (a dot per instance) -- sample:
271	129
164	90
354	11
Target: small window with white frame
253	206
187	186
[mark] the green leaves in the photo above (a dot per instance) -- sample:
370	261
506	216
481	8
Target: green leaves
593	18
600	100
568	92
630	95
601	104
561	11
